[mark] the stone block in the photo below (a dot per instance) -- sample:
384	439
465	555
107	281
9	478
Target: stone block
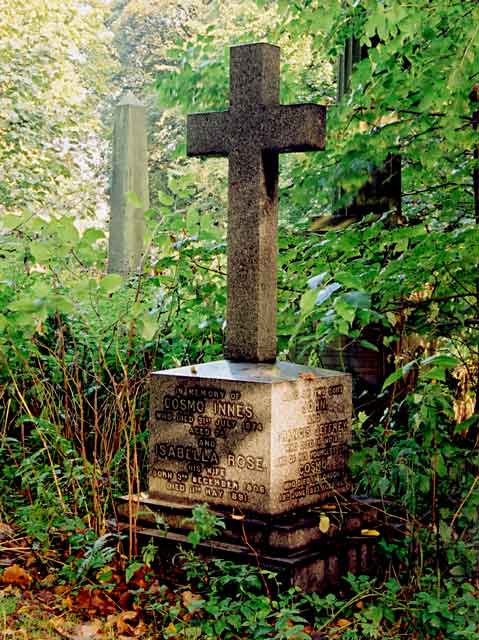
256	438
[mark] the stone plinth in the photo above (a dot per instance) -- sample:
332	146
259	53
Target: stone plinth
291	545
259	438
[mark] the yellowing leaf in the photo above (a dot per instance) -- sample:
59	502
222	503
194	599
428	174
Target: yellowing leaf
373	533
343	622
149	327
324	523
111	283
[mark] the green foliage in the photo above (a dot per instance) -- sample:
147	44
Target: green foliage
76	348
55	62
205	523
76	345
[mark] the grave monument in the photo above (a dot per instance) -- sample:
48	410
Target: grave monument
259	440
250	432
129	176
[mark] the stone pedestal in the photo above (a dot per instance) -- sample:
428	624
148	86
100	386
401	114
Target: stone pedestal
265	445
254	438
296	546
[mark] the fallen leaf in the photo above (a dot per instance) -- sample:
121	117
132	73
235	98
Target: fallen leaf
138	578
324	523
343	622
86	631
16	575
6	531
359	604
93	601
123	623
188	598
309	375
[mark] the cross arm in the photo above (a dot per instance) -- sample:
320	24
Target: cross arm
295	127
208	134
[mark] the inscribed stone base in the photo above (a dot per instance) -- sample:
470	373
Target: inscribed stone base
258	438
292	546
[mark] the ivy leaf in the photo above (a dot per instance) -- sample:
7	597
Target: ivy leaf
41	251
344	310
308	301
131	569
92	235
165	198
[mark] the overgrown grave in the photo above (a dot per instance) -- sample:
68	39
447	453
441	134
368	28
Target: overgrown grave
265	443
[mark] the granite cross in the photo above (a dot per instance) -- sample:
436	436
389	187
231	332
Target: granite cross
251	133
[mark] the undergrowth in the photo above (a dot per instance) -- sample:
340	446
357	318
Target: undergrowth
77	347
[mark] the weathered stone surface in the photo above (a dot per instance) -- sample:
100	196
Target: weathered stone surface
261	438
319	567
252	133
290	532
130	174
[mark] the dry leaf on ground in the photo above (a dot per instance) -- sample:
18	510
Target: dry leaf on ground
309	375
324	523
6	531
188	597
130	625
87	631
343	622
17	576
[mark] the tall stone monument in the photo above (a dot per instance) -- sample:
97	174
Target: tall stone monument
249	432
129	176
261	439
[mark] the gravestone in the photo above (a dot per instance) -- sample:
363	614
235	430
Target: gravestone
129	189
248	432
262	441
261	438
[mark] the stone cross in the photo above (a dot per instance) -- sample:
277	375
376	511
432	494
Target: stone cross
251	133
129	175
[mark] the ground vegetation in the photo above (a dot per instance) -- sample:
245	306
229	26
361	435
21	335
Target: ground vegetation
76	344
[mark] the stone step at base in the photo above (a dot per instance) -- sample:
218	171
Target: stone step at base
291	546
292	531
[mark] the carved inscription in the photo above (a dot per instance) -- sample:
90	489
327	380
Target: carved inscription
233	444
314	454
203	445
